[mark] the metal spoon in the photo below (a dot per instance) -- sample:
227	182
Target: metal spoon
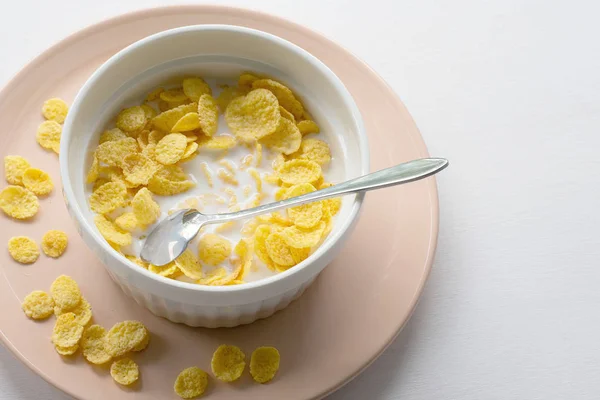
171	236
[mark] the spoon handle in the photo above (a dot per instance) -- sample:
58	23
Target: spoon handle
397	175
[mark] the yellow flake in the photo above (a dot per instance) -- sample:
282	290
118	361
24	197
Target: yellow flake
264	364
55	109
166	120
222	142
165	270
189	265
173	96
54	243
93	344
149	111
305	215
228	363
227	94
145	209
286	114
127	221
38	181
297	237
65	292
38	305
188	122
286	139
284	95
124	371
154	94
195	87
299	171
23	249
307	127
14	167
113	152
138	168
208	114
190	151
124	337
261	234
48	135
108	197
170	180
66	351
67	332
315	150
18	202
190	383
131	119
253	116
111	232
213	249
246	79
111	135
82	312
171	148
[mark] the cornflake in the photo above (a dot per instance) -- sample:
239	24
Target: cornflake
253	116
228	363
54	243
14	168
38	181
93	344
23	249
55	109
66	293
190	383
264	364
124	371
125	336
38	305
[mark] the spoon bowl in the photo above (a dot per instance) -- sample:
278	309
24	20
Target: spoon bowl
170	238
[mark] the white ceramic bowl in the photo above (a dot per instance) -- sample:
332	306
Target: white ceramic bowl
211	50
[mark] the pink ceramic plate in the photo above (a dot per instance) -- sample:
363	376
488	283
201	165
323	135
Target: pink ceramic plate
343	322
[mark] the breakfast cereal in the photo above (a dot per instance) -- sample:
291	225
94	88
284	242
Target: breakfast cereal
195	87
190	383
93	344
65	292
37	181
284	95
251	138
264	364
124	371
18	202
55	110
308	126
228	363
82	312
14	168
125	336
253	116
38	305
67	331
23	249
54	243
48	135
131	119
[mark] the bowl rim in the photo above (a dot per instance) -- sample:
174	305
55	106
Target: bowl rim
76	211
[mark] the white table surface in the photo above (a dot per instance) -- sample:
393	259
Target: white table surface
509	91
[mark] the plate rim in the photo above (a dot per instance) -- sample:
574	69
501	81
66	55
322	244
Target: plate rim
165	10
